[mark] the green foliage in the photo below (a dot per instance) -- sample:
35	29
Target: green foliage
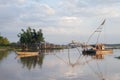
3	40
30	37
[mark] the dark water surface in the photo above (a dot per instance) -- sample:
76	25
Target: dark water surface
60	65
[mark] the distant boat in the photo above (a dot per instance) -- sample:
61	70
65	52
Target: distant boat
98	48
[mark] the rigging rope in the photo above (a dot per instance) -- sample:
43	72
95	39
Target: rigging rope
99	29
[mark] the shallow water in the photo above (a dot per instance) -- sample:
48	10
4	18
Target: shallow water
59	65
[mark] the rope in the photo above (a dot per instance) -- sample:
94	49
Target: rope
99	29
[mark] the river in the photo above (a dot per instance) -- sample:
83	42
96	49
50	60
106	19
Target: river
60	65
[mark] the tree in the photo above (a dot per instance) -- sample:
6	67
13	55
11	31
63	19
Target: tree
30	37
3	40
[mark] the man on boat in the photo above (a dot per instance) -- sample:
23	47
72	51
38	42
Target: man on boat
100	47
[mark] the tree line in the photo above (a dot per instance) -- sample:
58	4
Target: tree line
29	39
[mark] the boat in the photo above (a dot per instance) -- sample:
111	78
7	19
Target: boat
98	48
94	52
27	53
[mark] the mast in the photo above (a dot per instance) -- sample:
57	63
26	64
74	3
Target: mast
98	30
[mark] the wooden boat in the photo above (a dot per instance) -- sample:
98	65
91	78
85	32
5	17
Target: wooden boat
27	53
21	56
98	48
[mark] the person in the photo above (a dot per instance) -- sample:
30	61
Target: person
97	46
100	46
103	47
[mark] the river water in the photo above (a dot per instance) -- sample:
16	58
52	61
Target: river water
60	65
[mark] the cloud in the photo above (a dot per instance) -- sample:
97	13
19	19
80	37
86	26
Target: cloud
89	8
108	11
64	17
37	13
13	2
9	14
70	20
49	10
28	12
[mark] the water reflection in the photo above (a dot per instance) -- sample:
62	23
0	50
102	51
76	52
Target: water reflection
3	54
31	61
98	62
73	63
60	65
117	57
99	56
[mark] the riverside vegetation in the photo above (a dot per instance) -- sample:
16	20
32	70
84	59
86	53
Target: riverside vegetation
29	39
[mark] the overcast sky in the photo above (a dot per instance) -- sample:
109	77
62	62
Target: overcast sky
61	20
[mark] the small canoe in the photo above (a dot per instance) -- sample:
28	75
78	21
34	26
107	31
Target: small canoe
27	53
22	56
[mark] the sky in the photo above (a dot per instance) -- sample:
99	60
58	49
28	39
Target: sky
61	20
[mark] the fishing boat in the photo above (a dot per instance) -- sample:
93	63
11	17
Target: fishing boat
27	53
93	52
98	48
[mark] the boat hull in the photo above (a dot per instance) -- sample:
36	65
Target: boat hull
95	52
27	53
88	52
22	56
